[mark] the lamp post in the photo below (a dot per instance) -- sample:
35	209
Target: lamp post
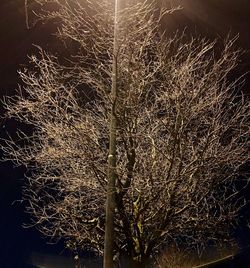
110	203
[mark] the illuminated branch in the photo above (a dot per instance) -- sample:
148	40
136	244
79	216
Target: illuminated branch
182	134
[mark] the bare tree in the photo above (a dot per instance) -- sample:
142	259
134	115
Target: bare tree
181	139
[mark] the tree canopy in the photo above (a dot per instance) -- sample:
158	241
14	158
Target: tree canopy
182	133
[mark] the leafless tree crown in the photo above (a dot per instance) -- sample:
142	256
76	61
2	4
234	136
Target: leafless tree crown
181	138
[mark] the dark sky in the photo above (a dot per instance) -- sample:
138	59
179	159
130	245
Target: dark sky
211	18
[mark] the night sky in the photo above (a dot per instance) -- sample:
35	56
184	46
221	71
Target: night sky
210	18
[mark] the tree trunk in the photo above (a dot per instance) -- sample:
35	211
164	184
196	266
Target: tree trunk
145	263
